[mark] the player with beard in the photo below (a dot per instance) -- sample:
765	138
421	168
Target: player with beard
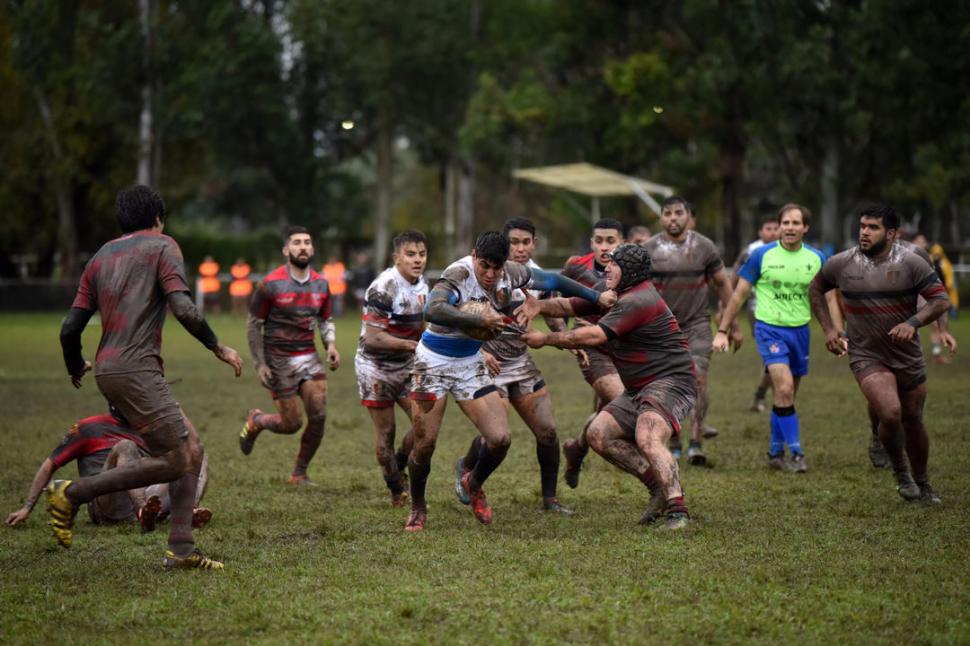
880	282
780	273
596	365
390	328
131	281
652	358
448	360
289	303
684	265
101	443
519	382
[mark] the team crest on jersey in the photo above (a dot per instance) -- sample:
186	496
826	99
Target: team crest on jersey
893	275
285	299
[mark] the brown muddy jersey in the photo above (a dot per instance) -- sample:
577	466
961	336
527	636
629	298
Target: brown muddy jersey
681	271
128	281
290	311
878	295
645	340
511	350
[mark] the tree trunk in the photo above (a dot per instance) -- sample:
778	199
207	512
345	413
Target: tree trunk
451	174
829	209
732	176
385	181
466	209
145	139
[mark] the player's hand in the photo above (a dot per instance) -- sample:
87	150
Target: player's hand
527	311
720	342
491	363
493	321
76	379
535	339
607	299
17	517
333	357
902	333
265	375
227	355
737	337
949	342
836	343
411	346
583	357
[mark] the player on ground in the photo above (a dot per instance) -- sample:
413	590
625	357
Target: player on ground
684	264
448	360
780	273
880	282
101	443
596	365
131	280
391	326
520	383
767	233
289	303
652	357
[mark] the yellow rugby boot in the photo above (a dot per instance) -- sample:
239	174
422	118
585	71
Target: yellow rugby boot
194	561
62	512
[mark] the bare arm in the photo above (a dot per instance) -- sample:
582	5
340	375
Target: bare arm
41	478
381	340
738	298
724	292
254	335
821	300
441	310
931	311
588	336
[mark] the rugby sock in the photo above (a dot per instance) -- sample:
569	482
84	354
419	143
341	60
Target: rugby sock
309	443
777	438
474	449
760	392
401	459
419	481
393	483
787	420
182	493
676	505
548	456
488	461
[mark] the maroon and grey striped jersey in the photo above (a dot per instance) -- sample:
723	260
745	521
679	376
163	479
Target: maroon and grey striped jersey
586	271
90	441
681	271
128	281
645	340
290	310
878	294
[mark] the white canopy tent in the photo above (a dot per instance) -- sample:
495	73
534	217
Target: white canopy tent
596	182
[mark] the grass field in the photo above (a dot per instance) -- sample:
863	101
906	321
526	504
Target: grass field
832	556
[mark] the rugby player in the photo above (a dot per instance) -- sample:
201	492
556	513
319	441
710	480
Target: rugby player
651	355
106	442
519	382
684	264
391	326
880	282
595	364
131	280
448	360
638	234
780	273
767	232
287	305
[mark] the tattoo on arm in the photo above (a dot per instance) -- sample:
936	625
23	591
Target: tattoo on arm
442	311
254	334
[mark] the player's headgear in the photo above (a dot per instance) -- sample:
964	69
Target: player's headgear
634	261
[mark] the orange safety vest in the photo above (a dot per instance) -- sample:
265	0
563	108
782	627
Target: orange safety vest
209	277
240	286
334	274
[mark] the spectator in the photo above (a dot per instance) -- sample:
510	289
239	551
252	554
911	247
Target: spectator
335	274
241	287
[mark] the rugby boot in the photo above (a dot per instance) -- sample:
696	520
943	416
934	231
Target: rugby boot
201	517
417	519
758	405
62	512
708	432
553	505
927	496
574	455
460	472
479	503
906	487
695	455
247	438
676	520
194	561
148	514
798	463
300	479
399	499
878	454
655	508
778	462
